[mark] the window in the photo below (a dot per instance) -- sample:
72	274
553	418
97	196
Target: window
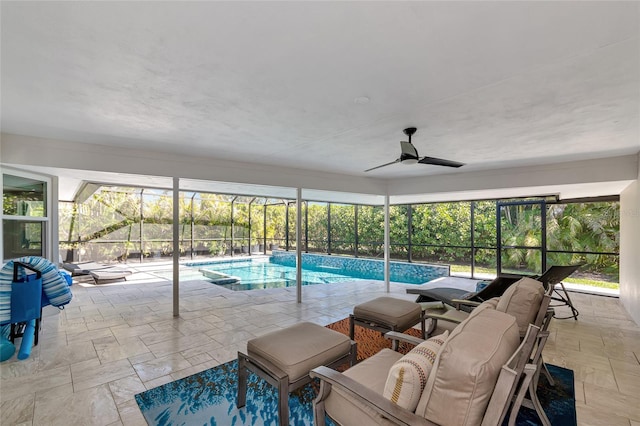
24	216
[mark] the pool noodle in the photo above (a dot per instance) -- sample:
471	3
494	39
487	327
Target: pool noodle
7	349
27	340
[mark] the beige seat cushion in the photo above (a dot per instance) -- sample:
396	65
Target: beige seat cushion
372	373
408	376
300	348
522	300
395	313
467	368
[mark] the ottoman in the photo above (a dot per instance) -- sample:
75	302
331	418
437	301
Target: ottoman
387	314
284	358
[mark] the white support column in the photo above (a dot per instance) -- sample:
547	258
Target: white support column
299	244
387	244
176	247
54	222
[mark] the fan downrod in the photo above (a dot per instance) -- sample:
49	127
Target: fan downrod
409	131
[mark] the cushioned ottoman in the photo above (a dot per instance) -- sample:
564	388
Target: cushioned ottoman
284	358
387	314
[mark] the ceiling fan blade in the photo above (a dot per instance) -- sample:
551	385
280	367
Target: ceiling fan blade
408	149
383	165
440	162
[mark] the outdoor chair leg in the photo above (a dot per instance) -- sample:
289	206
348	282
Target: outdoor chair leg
353	356
352	326
395	342
547	374
533	385
565	300
283	401
319	413
242	381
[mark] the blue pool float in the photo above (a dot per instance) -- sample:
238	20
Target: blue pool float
56	290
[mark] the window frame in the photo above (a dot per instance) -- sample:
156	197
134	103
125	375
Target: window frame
46	220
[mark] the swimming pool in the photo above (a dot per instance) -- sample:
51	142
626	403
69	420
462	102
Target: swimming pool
279	271
261	274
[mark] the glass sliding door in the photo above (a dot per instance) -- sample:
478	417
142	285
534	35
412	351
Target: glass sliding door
521	237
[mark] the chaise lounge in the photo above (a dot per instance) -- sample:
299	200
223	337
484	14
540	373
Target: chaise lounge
453	296
100	273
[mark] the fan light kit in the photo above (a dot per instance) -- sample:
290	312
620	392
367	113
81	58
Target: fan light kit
409	155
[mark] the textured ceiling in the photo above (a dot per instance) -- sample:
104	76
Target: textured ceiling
489	84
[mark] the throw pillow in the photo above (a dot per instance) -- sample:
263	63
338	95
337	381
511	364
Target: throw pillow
408	376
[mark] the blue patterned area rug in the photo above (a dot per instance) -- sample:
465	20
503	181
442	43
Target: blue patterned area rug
209	398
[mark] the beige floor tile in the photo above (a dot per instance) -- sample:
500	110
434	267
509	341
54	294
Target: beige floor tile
165	325
66	389
18	410
120	349
162	366
67	354
228	353
16	368
612	402
160	336
124	389
192	326
179	344
147	356
98	324
49	338
124	331
589	416
579	391
576	359
199	359
625	368
130	414
628	384
87	376
194	369
136	320
226	338
595	376
201	350
14	387
619	353
154	383
94	406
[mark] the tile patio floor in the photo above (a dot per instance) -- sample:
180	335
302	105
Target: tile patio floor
113	341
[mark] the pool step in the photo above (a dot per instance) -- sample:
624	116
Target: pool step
218	277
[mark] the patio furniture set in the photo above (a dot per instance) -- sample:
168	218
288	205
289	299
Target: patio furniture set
481	371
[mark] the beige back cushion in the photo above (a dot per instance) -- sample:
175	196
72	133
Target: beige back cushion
467	368
522	300
408	376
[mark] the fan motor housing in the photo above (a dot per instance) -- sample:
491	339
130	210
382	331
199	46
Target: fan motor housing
408	158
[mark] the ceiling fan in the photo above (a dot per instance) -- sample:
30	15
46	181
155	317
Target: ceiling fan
409	155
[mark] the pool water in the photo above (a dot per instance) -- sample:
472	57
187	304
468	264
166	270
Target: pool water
279	271
251	275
